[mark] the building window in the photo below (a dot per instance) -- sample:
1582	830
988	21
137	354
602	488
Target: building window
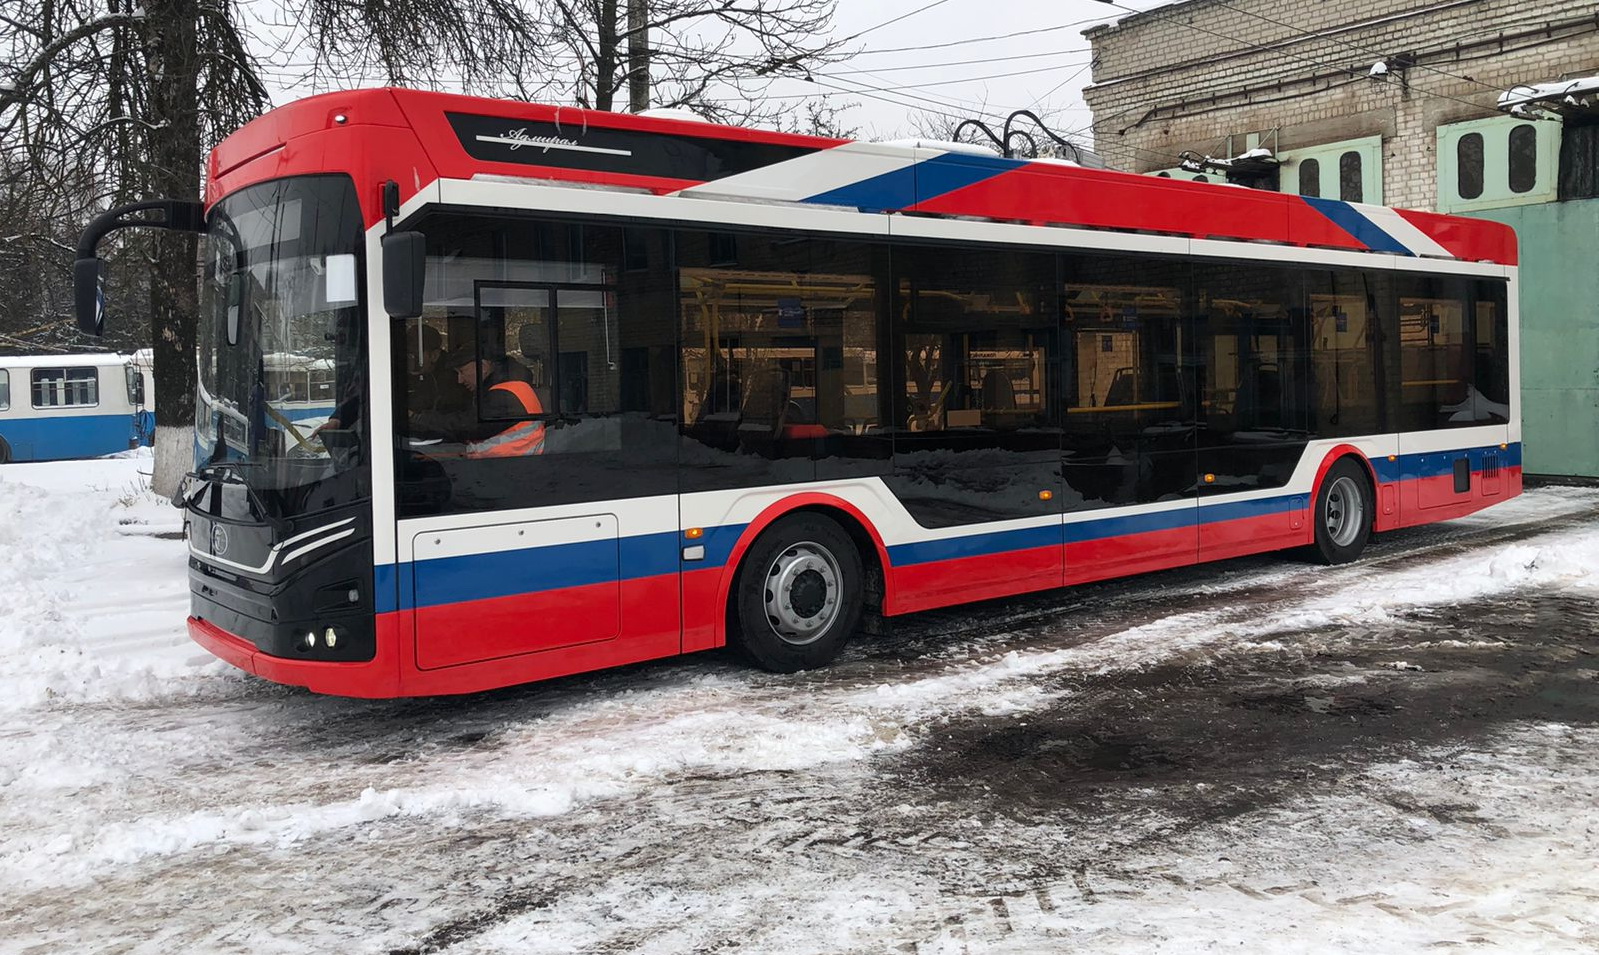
1349	181
1310	178
1349	170
1496	162
1523	158
1468	166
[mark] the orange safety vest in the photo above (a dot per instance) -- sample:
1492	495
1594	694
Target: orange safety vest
520	439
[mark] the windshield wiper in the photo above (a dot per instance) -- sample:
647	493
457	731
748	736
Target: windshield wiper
227	472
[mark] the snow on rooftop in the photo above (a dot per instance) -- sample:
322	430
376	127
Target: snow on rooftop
1531	99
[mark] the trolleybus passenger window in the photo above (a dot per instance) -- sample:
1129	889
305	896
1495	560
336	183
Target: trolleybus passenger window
513	389
65	387
977	335
1251	332
779	358
1345	390
1436	357
1129	422
1491	388
5	390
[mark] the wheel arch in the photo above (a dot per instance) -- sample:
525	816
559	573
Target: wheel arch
1331	458
868	542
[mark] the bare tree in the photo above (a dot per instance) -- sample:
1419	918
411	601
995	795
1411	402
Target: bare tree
103	101
108	100
715	57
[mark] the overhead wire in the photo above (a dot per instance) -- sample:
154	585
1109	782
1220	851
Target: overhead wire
1302	34
1154	14
903	16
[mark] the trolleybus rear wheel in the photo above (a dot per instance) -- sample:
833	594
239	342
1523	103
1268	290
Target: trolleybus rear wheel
798	596
1345	507
5	452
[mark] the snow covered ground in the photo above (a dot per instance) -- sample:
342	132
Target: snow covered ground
1261	756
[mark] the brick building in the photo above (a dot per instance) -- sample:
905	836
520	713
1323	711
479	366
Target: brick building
1393	102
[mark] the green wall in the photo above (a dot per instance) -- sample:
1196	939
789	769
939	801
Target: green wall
1559	334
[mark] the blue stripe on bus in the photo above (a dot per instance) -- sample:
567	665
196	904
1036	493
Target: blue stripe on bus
1363	229
558	566
974	545
48	437
919	182
1426	464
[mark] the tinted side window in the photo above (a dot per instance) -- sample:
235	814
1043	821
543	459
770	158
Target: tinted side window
1490	393
1435	354
5	389
1346	387
1128	380
1468	166
509	389
1310	177
976	336
1350	187
779	357
65	387
1523	158
1251	332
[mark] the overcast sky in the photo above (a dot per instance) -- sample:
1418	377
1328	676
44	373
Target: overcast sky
953	57
947	58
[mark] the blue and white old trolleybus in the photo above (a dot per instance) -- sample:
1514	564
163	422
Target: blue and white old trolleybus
54	407
581	389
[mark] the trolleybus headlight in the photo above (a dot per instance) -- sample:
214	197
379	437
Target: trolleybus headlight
330	637
308	641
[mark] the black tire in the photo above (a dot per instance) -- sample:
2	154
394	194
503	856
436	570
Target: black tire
1345	509
798	596
5	452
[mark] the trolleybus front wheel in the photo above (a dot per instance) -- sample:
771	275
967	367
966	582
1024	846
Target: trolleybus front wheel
1345	507
798	595
5	452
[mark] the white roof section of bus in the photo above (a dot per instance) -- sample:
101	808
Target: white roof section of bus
57	361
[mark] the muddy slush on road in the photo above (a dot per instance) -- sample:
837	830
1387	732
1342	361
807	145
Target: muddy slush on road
1396	754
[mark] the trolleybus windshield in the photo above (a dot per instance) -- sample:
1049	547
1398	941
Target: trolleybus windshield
282	346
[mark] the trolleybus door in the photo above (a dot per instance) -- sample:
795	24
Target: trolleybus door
573	548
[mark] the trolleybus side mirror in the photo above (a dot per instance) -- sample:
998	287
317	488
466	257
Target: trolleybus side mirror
88	271
404	268
88	293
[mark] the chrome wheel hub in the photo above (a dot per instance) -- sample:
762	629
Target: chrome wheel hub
1346	511
802	593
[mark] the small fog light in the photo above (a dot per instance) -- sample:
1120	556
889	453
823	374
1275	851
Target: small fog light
308	641
330	637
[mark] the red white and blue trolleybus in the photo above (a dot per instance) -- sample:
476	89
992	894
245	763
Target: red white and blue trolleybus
597	388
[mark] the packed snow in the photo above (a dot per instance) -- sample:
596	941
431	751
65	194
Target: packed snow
155	799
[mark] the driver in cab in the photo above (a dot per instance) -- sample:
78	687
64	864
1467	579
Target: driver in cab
494	424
